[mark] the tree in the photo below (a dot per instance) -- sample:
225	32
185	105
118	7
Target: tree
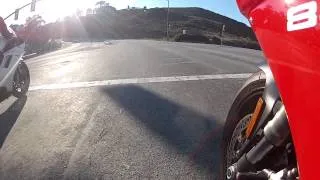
34	22
105	9
36	35
101	3
79	12
89	11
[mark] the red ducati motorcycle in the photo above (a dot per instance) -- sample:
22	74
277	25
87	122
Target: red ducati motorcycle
273	127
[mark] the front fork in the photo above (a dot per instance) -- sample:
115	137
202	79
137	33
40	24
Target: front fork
275	131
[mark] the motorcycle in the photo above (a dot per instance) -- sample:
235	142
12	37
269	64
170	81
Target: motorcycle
14	73
272	127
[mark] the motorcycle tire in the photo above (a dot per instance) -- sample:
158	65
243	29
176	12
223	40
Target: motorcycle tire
239	114
22	71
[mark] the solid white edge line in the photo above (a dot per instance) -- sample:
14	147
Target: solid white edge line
138	81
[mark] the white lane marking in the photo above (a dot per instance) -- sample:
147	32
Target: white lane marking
55	54
138	81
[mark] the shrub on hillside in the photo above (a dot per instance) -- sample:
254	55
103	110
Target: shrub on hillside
192	38
243	44
215	40
52	45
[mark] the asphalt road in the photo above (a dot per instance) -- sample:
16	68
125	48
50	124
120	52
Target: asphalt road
131	109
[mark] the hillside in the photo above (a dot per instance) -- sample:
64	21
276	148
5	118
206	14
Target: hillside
109	23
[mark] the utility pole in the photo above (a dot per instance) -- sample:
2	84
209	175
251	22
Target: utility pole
168	20
223	28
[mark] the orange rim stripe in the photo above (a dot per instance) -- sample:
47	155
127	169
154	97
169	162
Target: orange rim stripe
254	118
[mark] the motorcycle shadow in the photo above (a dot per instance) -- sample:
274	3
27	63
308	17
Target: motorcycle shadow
9	117
195	135
4	95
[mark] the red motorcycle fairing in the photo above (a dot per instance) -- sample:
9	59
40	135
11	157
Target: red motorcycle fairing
289	34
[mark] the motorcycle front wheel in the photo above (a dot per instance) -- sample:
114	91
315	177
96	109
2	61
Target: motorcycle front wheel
238	117
21	81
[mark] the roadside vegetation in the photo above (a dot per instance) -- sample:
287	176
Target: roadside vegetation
105	22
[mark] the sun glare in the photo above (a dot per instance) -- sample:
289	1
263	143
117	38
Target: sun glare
59	9
52	10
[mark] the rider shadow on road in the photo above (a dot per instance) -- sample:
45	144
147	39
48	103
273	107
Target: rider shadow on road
9	117
192	133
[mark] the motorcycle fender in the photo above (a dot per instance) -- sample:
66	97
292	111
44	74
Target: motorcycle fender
17	53
7	81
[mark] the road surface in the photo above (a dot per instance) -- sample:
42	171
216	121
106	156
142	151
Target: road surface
130	109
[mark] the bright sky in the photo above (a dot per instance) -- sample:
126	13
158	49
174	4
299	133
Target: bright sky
51	10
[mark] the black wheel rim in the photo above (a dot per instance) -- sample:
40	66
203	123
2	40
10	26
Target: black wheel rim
237	140
19	80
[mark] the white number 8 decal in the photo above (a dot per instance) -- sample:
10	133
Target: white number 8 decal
302	16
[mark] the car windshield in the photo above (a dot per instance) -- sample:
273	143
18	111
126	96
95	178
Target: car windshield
135	89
